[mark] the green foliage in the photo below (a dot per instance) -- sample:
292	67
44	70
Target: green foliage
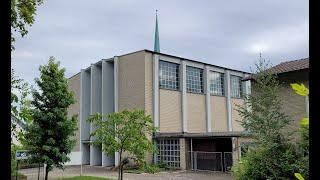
264	118
271	162
304	132
126	132
151	168
300	89
274	156
20	105
50	138
22	15
162	164
298	176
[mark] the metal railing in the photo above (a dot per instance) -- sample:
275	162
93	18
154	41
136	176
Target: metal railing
211	161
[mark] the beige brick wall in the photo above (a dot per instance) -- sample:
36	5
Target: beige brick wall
132	81
148	84
236	126
293	104
196	110
74	109
219	114
170	111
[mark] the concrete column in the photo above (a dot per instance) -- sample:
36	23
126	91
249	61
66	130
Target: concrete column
183	162
247	91
107	101
208	97
229	104
156	90
95	152
85	96
235	150
183	82
116	98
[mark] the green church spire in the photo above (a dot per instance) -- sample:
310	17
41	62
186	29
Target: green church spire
156	36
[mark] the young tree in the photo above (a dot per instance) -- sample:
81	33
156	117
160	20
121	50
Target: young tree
20	105
125	132
274	157
22	14
50	136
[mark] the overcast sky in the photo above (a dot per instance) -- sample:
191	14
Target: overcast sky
226	33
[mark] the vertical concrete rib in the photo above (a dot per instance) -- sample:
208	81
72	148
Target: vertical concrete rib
229	105
247	85
156	90
208	98
183	73
107	101
95	152
116	97
85	97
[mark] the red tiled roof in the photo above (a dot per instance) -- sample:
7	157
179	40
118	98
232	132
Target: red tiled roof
288	66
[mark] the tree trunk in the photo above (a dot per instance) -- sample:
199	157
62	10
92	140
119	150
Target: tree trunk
120	162
47	172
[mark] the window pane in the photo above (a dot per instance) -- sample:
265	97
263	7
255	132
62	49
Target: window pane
236	86
168	75
194	79
170	155
216	83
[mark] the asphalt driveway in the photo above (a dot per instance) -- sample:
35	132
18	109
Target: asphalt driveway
105	172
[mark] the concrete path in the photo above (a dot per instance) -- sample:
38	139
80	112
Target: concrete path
105	172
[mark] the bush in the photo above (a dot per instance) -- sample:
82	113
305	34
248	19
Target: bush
162	164
277	162
151	169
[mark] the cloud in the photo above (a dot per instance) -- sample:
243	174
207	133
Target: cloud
228	34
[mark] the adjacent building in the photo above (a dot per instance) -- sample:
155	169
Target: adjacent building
294	105
192	103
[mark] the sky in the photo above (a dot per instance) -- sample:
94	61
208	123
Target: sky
228	33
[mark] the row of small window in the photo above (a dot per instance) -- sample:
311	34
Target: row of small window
169	79
169	152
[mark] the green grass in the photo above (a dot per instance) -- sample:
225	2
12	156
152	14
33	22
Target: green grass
85	178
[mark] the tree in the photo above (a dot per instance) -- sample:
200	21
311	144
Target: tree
125	132
20	104
50	137
274	156
22	15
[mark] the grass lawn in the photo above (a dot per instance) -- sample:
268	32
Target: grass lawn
85	178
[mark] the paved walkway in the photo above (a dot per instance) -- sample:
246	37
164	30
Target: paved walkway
105	172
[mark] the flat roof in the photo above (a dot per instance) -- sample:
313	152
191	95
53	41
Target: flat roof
173	56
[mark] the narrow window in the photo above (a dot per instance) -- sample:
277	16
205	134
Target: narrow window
168	75
236	86
194	80
169	152
216	83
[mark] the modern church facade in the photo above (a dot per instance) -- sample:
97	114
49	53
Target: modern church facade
192	104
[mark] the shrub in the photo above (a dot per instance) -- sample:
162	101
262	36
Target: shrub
277	162
151	168
162	164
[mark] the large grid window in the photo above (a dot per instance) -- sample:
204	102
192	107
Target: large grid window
168	75
169	152
216	83
194	79
236	86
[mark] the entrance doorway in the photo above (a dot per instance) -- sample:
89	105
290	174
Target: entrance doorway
213	154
